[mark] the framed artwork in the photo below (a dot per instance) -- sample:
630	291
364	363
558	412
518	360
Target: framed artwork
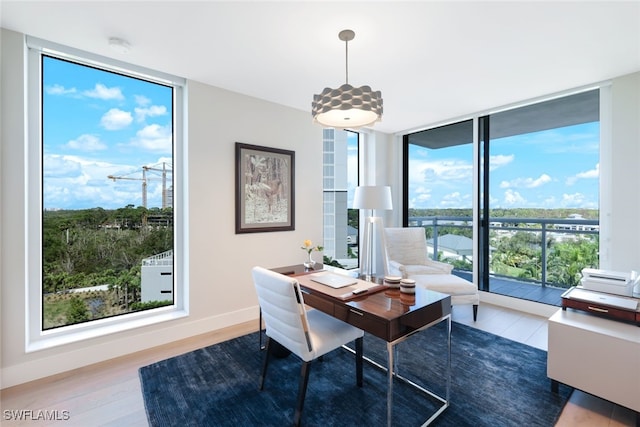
264	189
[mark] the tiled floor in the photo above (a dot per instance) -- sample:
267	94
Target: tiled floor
583	409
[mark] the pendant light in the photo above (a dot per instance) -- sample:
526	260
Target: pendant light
348	106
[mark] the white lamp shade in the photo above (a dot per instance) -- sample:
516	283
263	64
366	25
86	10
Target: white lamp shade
372	197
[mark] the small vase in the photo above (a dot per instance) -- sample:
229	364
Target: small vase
309	263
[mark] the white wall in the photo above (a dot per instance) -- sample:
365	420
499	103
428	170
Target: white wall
622	246
221	291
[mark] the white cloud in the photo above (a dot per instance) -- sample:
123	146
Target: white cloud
152	111
573	200
57	89
115	119
526	182
454	200
57	166
154	138
86	142
77	182
499	161
442	174
142	100
438	171
513	198
421	197
590	174
100	91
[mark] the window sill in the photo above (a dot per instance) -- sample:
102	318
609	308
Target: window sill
99	328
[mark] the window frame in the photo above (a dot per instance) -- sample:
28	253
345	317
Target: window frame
481	121
37	338
329	166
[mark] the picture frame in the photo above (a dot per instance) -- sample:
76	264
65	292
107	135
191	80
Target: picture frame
265	189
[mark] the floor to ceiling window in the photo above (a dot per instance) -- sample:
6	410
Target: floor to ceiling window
439	179
104	158
543	215
538	202
340	178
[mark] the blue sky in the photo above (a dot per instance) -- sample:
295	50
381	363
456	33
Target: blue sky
556	168
95	124
98	123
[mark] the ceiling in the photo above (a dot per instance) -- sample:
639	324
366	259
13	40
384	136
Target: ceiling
433	61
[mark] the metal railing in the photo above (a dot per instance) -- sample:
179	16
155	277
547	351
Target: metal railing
545	227
164	258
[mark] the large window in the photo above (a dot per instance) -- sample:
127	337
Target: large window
543	198
104	173
340	178
440	188
537	204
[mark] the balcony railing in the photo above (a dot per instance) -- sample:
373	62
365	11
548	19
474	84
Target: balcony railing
544	228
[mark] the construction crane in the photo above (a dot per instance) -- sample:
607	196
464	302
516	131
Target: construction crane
164	180
144	184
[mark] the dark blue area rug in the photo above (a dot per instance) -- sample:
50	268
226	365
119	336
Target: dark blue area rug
495	382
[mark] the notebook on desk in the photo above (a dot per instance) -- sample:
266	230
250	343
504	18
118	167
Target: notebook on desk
333	280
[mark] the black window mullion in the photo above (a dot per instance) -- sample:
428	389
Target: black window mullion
483	212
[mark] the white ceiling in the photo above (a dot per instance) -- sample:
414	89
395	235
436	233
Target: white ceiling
433	61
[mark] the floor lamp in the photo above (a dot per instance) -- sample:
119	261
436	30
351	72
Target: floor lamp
371	197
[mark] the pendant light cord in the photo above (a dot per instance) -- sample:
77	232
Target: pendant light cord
346	61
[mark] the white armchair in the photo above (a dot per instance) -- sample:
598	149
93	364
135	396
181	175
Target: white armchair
406	253
406	256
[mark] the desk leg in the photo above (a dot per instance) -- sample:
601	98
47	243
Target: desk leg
448	361
393	372
390	372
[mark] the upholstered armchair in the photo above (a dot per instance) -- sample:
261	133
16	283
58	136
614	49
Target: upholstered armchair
406	256
406	253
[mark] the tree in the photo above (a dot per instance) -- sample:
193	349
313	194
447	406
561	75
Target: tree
77	311
567	260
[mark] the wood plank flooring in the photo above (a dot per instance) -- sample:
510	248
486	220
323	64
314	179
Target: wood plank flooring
109	394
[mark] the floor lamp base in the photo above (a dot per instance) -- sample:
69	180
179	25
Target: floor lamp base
371	247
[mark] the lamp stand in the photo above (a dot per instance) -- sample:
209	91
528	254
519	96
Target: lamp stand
371	240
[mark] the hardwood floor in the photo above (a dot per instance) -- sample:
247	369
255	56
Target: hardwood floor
104	394
109	394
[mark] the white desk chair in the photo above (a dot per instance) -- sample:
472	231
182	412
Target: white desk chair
306	333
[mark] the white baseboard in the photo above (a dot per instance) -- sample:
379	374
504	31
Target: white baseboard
64	361
531	307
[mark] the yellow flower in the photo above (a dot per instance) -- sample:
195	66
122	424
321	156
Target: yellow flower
307	245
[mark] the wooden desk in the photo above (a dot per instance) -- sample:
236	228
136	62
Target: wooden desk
388	314
394	317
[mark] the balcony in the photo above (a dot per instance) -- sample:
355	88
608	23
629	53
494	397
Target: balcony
532	277
521	289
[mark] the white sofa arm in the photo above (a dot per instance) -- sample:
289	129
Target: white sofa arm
447	268
396	269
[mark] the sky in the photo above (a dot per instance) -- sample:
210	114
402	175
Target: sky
555	168
96	124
